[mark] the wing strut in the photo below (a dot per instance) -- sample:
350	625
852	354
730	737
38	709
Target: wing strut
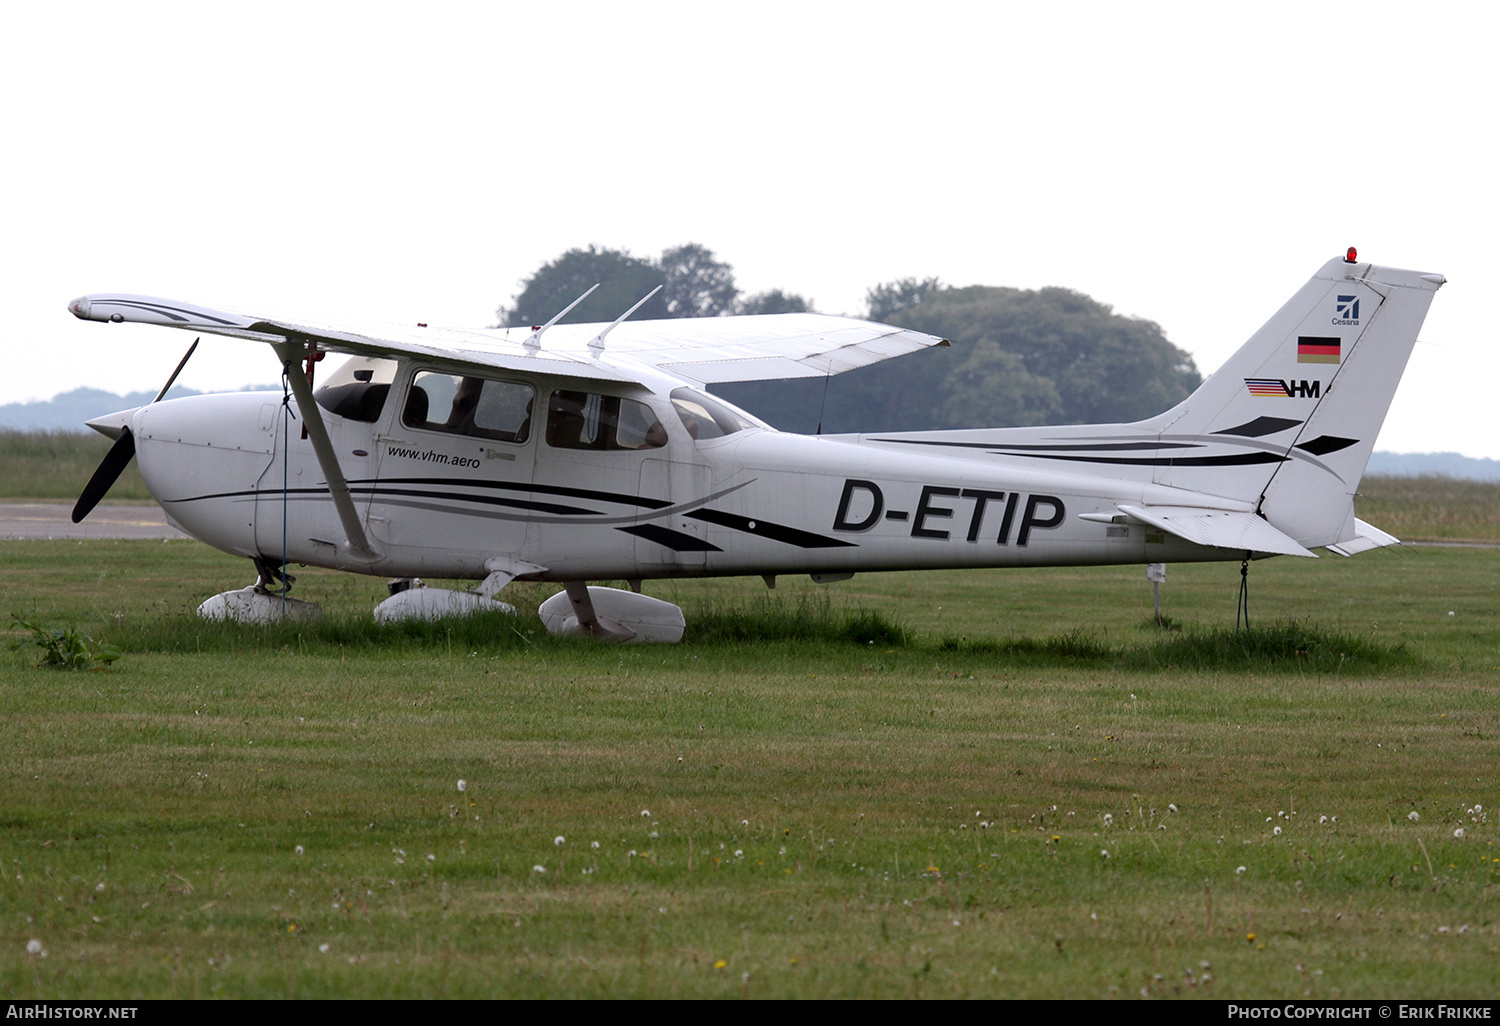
292	354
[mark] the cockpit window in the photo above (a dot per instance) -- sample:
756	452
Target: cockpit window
587	420
706	417
357	389
467	405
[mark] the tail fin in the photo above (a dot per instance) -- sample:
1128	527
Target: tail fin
1300	403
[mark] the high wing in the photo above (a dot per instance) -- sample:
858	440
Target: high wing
704	350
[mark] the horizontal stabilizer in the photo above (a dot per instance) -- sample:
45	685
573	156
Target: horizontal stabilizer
1365	539
1218	528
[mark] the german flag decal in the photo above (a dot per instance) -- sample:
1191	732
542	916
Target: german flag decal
1318	349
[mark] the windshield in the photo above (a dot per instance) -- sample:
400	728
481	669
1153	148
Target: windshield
706	417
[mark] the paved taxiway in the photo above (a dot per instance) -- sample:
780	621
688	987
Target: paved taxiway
55	520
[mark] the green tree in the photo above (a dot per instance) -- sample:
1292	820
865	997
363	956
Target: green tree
623	279
774	301
1018	358
1105	368
885	301
698	284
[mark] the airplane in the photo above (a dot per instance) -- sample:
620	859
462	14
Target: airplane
576	452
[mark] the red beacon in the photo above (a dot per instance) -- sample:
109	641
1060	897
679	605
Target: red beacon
1351	256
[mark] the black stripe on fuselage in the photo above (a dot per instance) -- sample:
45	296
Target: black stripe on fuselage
1000	450
1259	427
677	541
571	493
766	529
377	493
1239	460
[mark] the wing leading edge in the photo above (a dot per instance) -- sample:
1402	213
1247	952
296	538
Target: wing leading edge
703	350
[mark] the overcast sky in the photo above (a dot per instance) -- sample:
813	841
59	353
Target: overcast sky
1191	164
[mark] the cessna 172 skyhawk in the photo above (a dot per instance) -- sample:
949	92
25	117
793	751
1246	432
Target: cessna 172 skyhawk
577	452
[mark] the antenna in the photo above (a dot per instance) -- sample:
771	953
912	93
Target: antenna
598	342
534	340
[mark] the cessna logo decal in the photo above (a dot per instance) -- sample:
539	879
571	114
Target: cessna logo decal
1279	389
1346	310
862	506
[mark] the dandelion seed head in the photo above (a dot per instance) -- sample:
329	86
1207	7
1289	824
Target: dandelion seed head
1413	816
298	849
559	841
323	948
463	785
99	886
33	947
1172	807
538	869
1239	870
1276	832
1459	832
646	813
594	844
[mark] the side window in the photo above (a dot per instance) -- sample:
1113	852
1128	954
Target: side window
587	420
357	390
466	405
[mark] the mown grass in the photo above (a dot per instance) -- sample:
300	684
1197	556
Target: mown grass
1000	800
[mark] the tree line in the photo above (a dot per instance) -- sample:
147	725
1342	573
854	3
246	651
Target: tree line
1019	356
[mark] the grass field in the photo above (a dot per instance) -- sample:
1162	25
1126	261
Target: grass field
983	784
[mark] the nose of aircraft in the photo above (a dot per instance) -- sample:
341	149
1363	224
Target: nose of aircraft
111	424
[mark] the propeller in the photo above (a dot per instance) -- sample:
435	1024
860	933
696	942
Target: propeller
120	454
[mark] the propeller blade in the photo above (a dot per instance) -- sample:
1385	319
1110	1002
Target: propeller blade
115	461
180	364
120	454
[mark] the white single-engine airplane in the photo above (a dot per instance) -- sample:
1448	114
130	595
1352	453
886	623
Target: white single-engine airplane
577	452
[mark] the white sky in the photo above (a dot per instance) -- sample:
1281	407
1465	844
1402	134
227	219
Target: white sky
1192	164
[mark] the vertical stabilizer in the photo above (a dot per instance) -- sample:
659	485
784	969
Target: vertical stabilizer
1304	398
